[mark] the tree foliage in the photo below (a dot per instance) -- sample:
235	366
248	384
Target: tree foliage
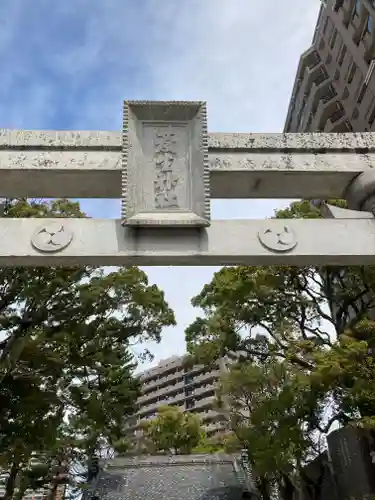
304	342
66	356
173	431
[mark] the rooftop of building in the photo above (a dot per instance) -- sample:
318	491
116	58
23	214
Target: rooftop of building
177	477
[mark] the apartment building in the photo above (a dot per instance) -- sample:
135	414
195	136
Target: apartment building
192	389
29	494
334	89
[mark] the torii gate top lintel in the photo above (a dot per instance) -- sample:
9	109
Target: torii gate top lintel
166	167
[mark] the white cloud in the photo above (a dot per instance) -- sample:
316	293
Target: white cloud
73	62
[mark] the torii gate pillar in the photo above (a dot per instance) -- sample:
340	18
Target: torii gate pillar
166	168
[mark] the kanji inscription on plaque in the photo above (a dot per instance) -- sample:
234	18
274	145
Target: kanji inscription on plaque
165	171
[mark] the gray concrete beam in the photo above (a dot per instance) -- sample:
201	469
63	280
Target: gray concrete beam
228	242
88	166
111	140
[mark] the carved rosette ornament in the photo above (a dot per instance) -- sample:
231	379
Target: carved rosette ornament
165	170
278	239
51	237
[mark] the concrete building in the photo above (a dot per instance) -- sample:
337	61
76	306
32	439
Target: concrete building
29	494
191	389
334	90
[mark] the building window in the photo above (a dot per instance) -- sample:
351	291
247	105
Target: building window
348	126
333	38
370	107
351	72
361	93
369	24
371	118
342	54
339	113
355	114
329	28
356	10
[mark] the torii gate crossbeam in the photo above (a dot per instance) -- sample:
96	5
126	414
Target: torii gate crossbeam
84	164
166	167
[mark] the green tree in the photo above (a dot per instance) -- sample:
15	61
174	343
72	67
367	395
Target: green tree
263	311
173	430
310	327
68	335
270	407
226	442
279	410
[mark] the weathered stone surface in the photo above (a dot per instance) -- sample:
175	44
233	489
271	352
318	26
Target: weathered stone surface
59	159
286	142
165	178
232	242
89	173
350	452
88	164
59	139
291	162
112	140
174	478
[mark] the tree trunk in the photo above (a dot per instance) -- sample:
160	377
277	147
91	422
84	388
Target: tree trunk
61	480
263	487
287	488
10	484
51	495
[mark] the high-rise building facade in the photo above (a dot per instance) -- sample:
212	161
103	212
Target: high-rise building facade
29	494
334	90
192	389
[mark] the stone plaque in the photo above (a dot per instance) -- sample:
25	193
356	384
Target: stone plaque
165	176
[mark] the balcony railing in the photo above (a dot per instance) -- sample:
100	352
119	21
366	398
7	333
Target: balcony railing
339	113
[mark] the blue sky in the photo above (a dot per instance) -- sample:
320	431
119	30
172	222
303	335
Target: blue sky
69	64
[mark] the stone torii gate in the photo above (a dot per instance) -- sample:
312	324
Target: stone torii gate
166	168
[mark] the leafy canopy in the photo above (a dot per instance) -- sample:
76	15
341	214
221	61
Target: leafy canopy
67	340
173	430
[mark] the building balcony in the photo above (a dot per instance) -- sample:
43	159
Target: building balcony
337	123
368	41
338	4
313	80
309	60
345	9
327	106
171	401
163	391
324	91
205	402
210	415
317	75
214	427
203	389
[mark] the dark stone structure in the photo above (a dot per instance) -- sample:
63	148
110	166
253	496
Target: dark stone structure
318	481
179	477
350	450
345	472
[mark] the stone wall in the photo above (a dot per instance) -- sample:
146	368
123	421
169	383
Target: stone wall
345	472
192	477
